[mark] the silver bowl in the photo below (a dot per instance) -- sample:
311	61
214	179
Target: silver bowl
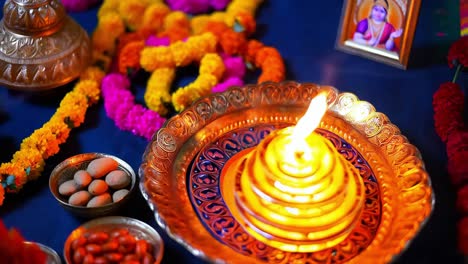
136	227
52	256
65	170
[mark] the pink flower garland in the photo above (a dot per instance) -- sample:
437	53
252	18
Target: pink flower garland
78	5
197	6
120	106
233	75
157	41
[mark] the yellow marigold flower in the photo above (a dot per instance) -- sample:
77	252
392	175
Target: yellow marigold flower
90	88
59	130
176	19
181	53
111	23
185	96
93	73
39	140
213	64
32	161
204	83
202	44
110	26
157	93
108	6
156	57
237	6
132	12
218	16
154	16
73	108
198	23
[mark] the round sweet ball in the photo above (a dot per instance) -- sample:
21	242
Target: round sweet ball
100	200
97	187
68	188
82	178
99	167
80	198
119	195
118	179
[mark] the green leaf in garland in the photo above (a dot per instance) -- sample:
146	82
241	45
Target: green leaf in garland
68	122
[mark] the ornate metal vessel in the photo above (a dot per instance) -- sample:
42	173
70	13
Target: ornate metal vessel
40	46
182	179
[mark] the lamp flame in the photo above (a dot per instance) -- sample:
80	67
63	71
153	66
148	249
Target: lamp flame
311	119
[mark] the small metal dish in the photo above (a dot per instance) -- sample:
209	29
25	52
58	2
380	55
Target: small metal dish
52	256
136	227
65	170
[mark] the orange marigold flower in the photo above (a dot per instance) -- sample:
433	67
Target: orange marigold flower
273	69
33	160
152	58
264	53
216	27
247	21
128	37
93	73
129	56
14	169
252	48
232	42
153	18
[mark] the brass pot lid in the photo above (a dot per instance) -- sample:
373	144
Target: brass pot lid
41	47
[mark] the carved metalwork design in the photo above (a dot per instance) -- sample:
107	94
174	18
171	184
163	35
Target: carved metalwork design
402	182
40	46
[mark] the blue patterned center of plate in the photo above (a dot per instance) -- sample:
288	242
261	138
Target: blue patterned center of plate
203	181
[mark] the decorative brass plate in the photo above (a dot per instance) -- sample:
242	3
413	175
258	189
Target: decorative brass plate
171	169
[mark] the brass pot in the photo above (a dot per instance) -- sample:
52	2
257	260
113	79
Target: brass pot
41	47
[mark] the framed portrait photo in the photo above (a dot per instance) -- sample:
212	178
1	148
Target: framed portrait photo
381	30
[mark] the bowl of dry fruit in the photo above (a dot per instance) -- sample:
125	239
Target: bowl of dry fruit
92	184
113	239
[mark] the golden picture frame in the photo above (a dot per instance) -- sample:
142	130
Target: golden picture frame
381	30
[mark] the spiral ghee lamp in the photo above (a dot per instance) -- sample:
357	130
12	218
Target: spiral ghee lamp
294	191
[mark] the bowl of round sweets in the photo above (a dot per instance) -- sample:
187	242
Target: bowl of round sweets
92	184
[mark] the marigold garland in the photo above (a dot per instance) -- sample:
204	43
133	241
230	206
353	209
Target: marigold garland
28	162
211	71
145	18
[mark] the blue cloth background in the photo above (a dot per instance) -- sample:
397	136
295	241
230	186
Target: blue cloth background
304	32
